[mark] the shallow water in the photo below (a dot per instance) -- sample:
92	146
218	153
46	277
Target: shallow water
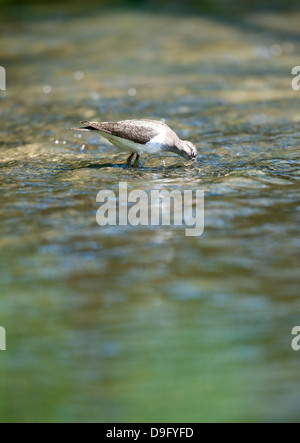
145	324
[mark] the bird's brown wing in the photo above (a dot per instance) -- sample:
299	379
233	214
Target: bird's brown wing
139	131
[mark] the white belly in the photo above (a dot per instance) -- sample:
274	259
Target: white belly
152	147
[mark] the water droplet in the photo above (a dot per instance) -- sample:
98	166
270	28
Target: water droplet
276	50
47	89
95	96
78	75
288	47
131	92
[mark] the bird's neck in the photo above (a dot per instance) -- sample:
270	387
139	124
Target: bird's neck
176	148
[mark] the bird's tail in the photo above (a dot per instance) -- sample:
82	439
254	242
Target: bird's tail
86	128
79	129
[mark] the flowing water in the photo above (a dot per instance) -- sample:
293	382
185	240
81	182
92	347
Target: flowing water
143	323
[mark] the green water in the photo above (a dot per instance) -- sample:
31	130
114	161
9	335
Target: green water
129	324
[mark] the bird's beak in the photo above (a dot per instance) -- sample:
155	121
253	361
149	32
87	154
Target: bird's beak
189	158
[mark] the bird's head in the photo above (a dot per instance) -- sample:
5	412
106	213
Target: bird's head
188	151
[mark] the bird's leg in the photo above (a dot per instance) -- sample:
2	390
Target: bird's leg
130	159
136	161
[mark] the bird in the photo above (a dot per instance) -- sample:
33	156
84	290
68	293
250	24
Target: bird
141	136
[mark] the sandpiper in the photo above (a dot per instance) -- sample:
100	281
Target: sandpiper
142	137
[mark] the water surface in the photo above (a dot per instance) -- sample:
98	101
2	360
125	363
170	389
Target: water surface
145	324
